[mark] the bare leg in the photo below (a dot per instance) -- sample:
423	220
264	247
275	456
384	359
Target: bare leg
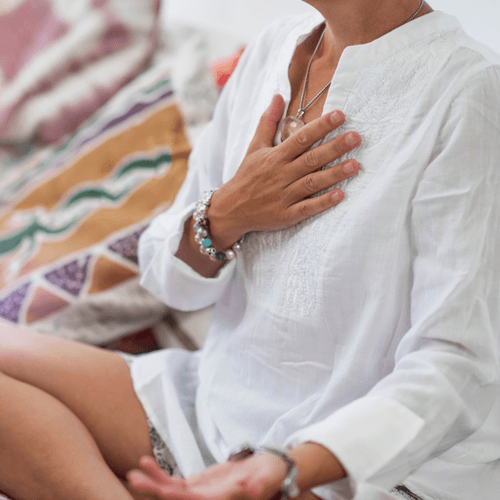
70	421
46	451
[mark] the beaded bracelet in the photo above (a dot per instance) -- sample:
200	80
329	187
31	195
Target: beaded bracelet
201	227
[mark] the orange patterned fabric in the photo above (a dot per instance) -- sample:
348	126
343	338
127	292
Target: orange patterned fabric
69	232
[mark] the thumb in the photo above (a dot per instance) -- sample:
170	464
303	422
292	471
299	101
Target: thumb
268	123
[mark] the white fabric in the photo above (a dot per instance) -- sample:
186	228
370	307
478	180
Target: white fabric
373	328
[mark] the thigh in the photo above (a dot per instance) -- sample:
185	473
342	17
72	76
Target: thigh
93	383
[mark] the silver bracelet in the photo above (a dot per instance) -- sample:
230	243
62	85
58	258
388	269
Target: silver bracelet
289	488
201	227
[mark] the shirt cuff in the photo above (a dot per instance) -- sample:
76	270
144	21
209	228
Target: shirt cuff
187	290
344	489
365	436
169	278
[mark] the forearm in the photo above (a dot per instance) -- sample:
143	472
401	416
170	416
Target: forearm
216	230
189	252
316	466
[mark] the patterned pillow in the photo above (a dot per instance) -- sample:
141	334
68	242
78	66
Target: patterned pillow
61	61
70	218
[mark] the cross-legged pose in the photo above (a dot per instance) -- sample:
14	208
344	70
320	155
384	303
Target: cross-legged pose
342	213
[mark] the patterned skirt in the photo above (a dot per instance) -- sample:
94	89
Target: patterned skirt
161	452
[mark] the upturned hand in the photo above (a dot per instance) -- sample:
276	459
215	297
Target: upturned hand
258	478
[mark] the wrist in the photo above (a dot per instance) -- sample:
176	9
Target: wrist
203	233
316	465
277	460
225	229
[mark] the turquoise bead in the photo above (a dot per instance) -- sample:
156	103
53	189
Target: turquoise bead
207	242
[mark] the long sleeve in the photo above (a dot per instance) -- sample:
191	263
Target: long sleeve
444	383
164	275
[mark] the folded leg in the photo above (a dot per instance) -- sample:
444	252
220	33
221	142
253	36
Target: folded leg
70	420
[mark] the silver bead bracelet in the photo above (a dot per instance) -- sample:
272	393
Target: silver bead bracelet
201	227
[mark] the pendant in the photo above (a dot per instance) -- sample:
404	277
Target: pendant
290	126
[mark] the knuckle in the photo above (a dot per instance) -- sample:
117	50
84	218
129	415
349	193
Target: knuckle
311	159
311	183
270	160
304	211
301	137
339	148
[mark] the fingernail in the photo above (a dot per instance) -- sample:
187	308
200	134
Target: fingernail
349	168
351	140
335	117
336	197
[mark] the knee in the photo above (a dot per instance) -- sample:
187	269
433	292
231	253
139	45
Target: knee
17	346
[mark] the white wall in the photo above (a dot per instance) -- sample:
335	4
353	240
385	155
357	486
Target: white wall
479	18
239	18
243	18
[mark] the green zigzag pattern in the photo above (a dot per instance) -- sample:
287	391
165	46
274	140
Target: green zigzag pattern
144	164
93	123
12	242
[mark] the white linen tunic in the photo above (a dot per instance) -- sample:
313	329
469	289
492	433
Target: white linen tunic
372	328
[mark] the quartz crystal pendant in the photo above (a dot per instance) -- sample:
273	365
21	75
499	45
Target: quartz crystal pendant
290	126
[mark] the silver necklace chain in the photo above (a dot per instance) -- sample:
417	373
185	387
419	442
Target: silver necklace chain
417	12
302	108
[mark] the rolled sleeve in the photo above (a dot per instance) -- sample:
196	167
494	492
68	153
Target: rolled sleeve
170	279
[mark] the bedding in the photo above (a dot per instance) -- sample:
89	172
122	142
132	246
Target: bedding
70	218
73	203
60	61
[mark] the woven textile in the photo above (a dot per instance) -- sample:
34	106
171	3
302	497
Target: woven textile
70	219
61	61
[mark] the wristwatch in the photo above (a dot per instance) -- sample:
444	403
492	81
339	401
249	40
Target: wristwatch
289	488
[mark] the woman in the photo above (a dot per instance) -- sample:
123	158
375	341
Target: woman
358	325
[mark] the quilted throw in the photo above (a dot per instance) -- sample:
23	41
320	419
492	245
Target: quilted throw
70	219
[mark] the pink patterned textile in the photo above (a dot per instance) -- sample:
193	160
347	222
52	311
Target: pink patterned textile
61	61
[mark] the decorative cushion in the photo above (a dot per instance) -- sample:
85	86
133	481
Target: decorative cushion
61	60
70	218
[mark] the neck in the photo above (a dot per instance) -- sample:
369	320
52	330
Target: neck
355	22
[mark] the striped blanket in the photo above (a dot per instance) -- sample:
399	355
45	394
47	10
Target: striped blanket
70	218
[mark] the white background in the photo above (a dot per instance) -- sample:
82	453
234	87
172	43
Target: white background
244	18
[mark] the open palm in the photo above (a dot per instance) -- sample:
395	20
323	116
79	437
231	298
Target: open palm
257	478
